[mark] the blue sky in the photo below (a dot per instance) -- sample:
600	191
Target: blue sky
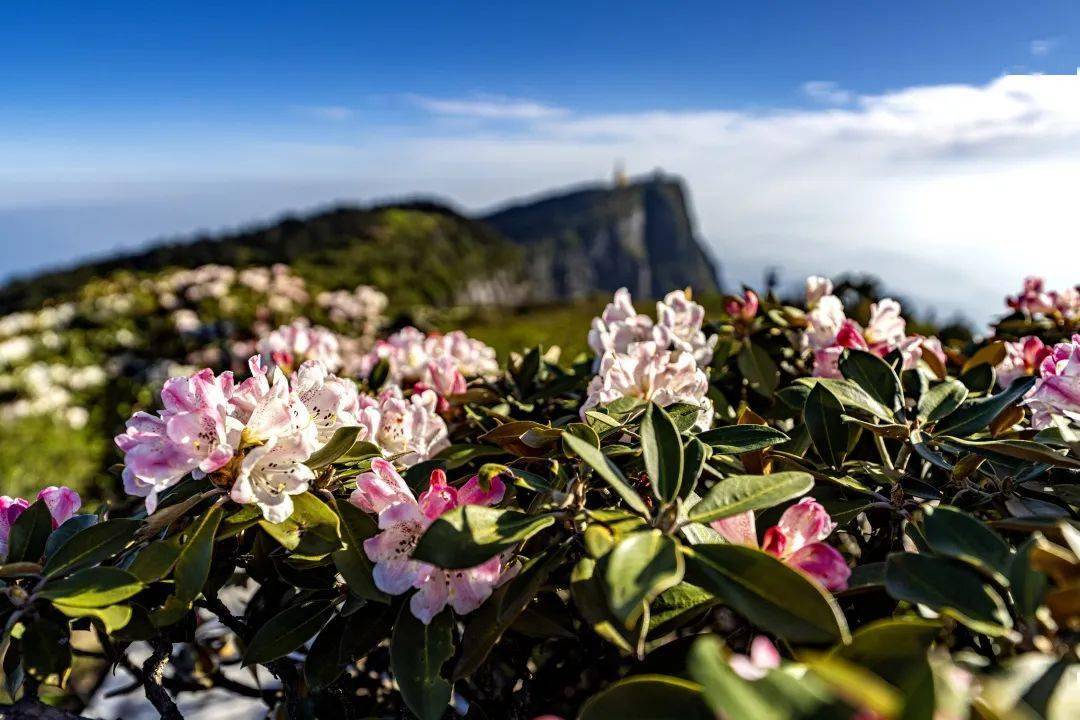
797	125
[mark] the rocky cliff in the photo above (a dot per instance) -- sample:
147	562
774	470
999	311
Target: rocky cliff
597	239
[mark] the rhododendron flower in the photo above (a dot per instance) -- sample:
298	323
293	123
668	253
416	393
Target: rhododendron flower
408	429
827	359
1056	394
816	288
652	374
291	345
1033	298
403	519
410	353
10	510
270	474
914	347
681	319
763	657
445	379
886	328
268	408
332	402
620	326
1022	357
824	322
796	539
62	502
744	308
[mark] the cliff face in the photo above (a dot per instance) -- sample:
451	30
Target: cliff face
638	236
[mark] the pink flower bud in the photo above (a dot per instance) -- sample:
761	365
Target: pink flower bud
62	503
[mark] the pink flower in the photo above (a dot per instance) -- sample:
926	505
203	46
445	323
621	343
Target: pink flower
796	539
1033	299
827	360
620	326
1056	394
445	379
331	401
10	510
913	347
62	502
410	353
403	520
1022	357
152	461
744	308
823	323
762	658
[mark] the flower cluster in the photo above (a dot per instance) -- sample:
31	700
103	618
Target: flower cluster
677	327
442	362
361	309
295	343
662	362
42	388
796	539
62	503
829	331
1034	299
1056	394
403	518
1022	357
255	436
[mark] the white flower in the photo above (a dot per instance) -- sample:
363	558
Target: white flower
817	287
886	327
823	323
332	402
620	325
682	318
291	345
270	474
651	373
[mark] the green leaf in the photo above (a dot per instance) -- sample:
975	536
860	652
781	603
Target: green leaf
678	605
458	455
74	524
417	654
92	588
768	593
942	400
607	471
948	588
872	374
851	396
695	453
729	695
684	415
954	533
471	534
113	617
588	594
1027	585
893	649
758	369
90	545
339	444
648	697
739	439
739	493
1020	449
979	379
974	415
29	533
662	450
154	561
640	567
288	630
318	524
196	553
351	561
822	415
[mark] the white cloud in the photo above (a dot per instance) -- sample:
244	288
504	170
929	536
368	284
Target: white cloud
1042	47
336	113
488	107
827	91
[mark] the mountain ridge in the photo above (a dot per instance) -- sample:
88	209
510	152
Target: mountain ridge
560	245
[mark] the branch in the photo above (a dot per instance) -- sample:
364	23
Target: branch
153	671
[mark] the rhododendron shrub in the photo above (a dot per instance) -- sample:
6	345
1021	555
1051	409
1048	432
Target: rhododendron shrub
779	511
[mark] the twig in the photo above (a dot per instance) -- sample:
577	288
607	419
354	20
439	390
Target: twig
153	671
